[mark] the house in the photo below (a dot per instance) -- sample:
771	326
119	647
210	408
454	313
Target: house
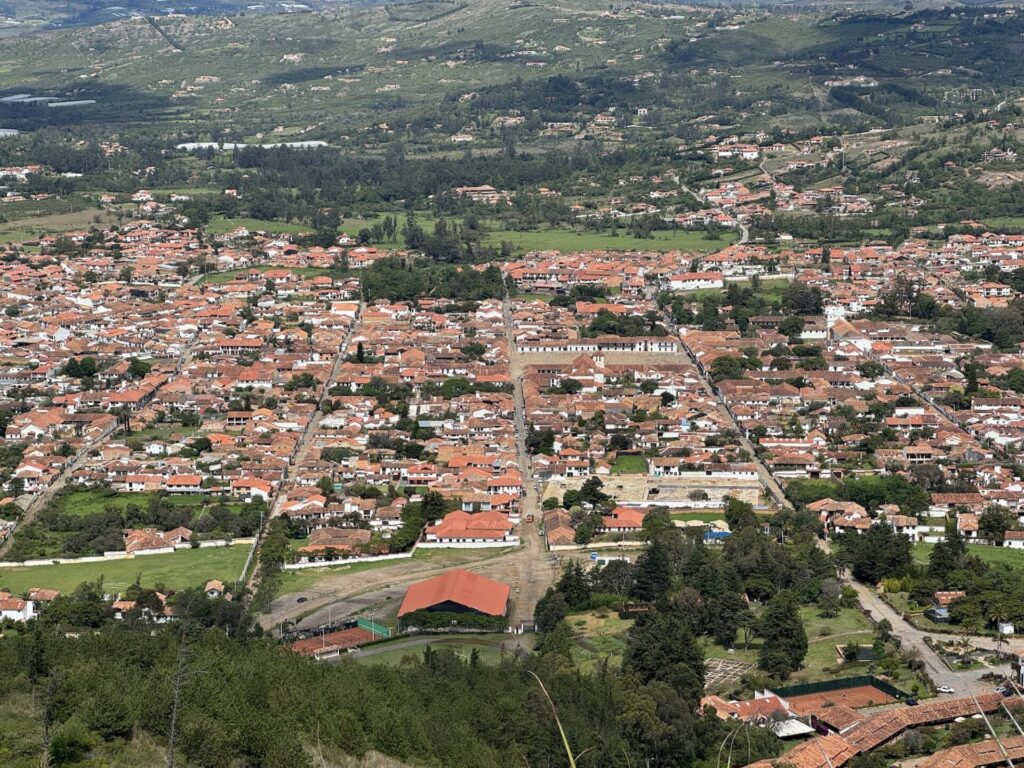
214	589
15	608
191	484
323	541
623	520
480	529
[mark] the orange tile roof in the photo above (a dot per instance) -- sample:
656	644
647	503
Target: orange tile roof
461	588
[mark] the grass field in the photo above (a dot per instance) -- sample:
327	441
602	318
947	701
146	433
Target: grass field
90	502
630	465
771	288
32	224
991	555
186	568
569	240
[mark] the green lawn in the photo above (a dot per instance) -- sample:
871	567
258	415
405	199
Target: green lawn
629	465
771	288
992	555
823	635
186	568
90	502
569	240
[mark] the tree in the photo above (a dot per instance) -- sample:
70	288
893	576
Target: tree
137	369
727	367
660	646
653	575
574	585
792	326
995	522
739	514
783	638
326	486
550	610
876	554
947	555
802	299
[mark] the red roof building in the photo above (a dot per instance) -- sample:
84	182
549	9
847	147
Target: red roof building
457	591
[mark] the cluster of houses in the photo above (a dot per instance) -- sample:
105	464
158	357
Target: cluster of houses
423	401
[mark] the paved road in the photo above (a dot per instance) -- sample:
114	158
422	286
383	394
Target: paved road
910	636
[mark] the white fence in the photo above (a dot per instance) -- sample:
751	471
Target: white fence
121	555
346	561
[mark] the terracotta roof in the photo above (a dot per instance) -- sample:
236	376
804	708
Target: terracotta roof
460	587
346	638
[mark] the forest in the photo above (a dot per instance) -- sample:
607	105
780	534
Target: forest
220	700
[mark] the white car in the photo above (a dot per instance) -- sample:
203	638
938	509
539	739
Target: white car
945	689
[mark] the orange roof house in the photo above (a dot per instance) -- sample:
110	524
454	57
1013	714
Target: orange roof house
457	591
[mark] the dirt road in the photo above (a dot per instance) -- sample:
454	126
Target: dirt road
528	569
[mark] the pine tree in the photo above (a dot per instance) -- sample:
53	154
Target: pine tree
783	639
653	573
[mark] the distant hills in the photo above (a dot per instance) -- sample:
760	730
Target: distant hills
22	16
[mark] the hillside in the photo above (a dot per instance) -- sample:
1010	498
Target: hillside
442	68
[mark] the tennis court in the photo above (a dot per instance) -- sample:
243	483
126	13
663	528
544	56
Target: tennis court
855	698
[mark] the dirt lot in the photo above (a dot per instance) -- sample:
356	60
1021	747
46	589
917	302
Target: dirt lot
638	488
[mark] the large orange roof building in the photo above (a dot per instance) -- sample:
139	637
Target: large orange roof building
457	591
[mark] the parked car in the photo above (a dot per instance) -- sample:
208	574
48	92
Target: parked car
302	599
911	702
945	689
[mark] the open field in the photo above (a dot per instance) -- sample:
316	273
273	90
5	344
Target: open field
569	240
991	555
629	465
307	579
186	568
642	488
91	502
32	226
772	288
